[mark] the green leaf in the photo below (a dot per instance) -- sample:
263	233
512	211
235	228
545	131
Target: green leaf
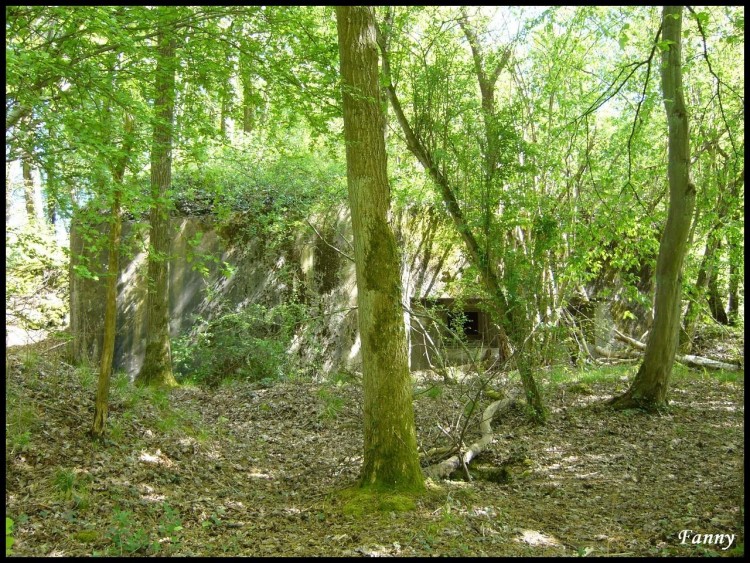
665	43
9	541
702	18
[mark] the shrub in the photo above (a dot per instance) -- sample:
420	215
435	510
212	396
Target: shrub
250	344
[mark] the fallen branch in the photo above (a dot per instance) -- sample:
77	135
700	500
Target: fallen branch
688	360
612	355
445	468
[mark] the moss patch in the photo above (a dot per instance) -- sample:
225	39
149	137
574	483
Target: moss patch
359	501
87	536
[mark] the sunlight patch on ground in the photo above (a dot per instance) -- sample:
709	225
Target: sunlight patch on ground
149	494
483	511
257	474
533	537
156	458
213	454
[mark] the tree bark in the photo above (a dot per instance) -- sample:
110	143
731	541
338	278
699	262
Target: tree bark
651	383
28	190
734	277
248	94
687	332
391	459
113	268
735	253
715	302
157	363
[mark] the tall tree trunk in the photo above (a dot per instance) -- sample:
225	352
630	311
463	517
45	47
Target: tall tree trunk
715	301
687	332
157	363
113	269
50	204
735	251
651	383
8	189
248	94
51	186
734	278
28	190
391	459
223	118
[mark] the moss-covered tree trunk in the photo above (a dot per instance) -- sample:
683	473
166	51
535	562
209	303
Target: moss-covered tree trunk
157	363
113	268
391	458
649	388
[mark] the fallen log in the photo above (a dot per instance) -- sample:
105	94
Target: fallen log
687	359
448	466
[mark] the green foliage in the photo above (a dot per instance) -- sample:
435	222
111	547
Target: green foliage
435	392
9	540
261	193
87	376
21	419
250	344
36	278
213	520
126	535
332	404
71	487
65	480
169	526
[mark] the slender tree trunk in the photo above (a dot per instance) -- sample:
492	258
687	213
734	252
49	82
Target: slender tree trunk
28	190
50	205
695	305
734	295
223	118
157	363
715	301
248	98
735	253
651	383
391	459
8	189
51	185
113	269
515	318
476	253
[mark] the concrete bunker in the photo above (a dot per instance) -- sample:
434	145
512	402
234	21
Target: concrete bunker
435	323
307	267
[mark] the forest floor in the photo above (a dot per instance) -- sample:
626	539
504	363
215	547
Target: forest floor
243	470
